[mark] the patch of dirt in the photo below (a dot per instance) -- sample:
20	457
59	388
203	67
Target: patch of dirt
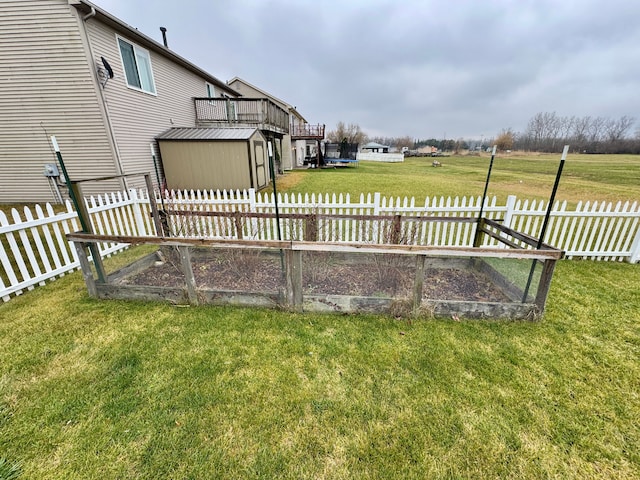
380	277
233	270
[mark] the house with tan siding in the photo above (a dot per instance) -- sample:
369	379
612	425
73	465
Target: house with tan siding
53	81
294	144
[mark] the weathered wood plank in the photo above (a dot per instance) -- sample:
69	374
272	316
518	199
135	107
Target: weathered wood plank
133	268
87	273
448	251
186	266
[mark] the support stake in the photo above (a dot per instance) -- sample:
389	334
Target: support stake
546	220
484	197
83	214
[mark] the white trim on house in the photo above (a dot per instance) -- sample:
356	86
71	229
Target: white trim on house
210	89
142	64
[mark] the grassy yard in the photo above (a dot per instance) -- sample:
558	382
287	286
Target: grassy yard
585	177
110	389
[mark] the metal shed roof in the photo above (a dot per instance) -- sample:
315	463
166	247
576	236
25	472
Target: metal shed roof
195	133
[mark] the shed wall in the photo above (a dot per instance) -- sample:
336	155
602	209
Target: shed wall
206	165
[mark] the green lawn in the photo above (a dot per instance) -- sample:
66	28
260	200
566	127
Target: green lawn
111	389
585	177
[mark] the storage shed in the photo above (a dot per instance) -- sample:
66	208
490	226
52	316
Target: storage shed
214	158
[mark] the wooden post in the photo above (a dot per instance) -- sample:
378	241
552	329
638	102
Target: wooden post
479	238
154	206
237	216
85	222
85	266
185	262
418	284
311	227
544	284
396	230
294	279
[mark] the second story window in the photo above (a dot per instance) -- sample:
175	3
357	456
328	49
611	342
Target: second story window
211	91
137	66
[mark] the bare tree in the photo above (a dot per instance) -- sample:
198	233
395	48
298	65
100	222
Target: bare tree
616	130
352	133
403	142
596	129
547	132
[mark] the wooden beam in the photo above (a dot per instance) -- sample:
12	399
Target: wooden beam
85	266
325	246
185	263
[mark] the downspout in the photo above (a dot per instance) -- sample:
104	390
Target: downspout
105	107
89	15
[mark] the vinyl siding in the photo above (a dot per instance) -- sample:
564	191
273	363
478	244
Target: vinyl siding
46	88
249	92
138	117
205	165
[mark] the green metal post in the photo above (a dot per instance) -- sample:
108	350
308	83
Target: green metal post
546	220
271	146
484	196
84	222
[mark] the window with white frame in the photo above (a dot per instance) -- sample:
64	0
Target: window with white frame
211	91
137	66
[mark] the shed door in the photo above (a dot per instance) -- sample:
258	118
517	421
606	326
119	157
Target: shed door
261	168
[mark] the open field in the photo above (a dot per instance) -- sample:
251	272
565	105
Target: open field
585	177
110	389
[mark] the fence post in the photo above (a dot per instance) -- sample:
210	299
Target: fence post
310	227
508	216
294	280
137	212
396	230
187	269
418	285
376	212
87	274
635	248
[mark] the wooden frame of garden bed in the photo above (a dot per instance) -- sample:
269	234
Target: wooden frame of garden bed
292	297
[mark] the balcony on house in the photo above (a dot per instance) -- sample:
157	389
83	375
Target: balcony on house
306	131
261	113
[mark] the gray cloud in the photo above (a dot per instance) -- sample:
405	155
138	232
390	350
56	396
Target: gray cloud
461	67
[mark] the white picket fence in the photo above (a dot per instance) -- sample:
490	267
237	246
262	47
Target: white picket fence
33	247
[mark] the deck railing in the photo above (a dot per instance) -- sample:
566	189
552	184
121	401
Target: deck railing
261	113
307	131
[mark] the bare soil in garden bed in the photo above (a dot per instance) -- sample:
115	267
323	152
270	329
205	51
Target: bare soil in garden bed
377	276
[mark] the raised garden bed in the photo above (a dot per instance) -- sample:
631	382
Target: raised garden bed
306	276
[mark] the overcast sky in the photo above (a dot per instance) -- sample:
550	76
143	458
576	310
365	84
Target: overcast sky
421	68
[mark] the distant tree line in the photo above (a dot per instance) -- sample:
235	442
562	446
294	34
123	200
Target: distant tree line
545	132
548	132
